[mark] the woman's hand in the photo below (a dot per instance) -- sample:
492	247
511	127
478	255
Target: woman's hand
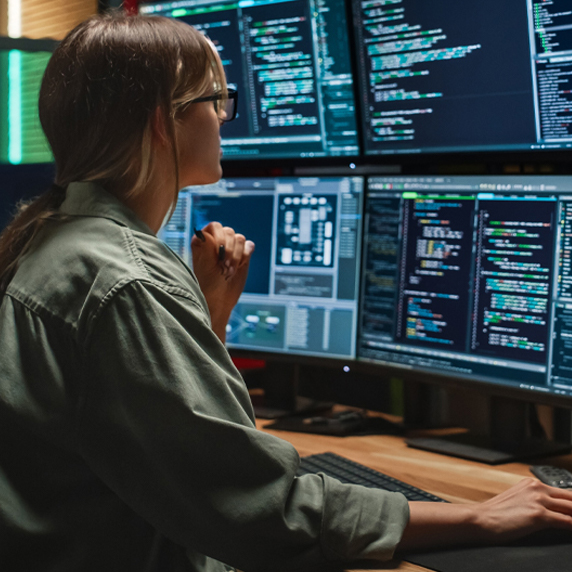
526	507
220	263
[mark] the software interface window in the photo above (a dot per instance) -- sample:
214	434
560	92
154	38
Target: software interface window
290	61
302	288
472	75
470	276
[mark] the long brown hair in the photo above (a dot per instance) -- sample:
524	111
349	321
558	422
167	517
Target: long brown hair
99	93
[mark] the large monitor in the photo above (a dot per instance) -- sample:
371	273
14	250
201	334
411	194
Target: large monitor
301	295
477	75
469	278
290	62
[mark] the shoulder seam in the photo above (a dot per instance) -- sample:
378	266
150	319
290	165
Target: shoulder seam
121	285
132	248
42	312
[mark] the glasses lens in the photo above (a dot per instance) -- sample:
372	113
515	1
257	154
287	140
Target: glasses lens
225	108
229	108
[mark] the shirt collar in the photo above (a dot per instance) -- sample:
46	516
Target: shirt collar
91	199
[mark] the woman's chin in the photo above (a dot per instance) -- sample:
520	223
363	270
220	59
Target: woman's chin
204	178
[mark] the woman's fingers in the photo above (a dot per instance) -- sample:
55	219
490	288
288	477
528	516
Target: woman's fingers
230	246
528	506
221	240
559	507
248	250
231	250
558	504
234	248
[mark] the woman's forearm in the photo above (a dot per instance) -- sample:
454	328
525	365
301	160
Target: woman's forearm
433	525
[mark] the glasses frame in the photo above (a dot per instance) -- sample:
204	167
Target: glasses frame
230	94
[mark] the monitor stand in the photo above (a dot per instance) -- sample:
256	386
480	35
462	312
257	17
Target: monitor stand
515	434
280	382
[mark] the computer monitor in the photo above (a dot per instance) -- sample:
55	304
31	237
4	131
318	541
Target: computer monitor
22	65
26	164
468	279
477	75
301	295
290	62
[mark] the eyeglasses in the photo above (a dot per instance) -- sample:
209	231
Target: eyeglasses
225	104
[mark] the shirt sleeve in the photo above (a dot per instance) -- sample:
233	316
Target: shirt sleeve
167	424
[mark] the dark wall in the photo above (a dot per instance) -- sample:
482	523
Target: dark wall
21	182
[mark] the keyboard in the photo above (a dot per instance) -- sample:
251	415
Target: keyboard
347	471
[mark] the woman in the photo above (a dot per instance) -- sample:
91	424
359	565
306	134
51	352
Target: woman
128	441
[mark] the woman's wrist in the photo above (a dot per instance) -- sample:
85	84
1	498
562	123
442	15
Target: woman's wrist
441	524
219	319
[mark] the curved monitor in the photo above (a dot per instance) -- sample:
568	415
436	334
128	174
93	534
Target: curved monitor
290	62
477	75
301	295
470	278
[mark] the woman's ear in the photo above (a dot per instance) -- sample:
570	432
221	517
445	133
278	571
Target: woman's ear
159	127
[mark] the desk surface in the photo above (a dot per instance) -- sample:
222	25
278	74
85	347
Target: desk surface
455	480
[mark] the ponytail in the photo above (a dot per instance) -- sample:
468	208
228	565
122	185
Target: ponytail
17	237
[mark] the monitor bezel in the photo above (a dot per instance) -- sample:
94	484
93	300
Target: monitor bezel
388	372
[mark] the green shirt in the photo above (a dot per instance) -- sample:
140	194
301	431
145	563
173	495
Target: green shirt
127	439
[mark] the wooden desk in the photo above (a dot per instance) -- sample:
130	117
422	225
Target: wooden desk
455	480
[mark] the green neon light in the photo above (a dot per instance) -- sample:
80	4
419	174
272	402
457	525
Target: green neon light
15	107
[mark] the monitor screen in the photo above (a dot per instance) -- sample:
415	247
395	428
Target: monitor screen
21	137
470	277
477	75
290	62
301	295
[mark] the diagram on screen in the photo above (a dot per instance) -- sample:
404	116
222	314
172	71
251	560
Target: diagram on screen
306	230
259	325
